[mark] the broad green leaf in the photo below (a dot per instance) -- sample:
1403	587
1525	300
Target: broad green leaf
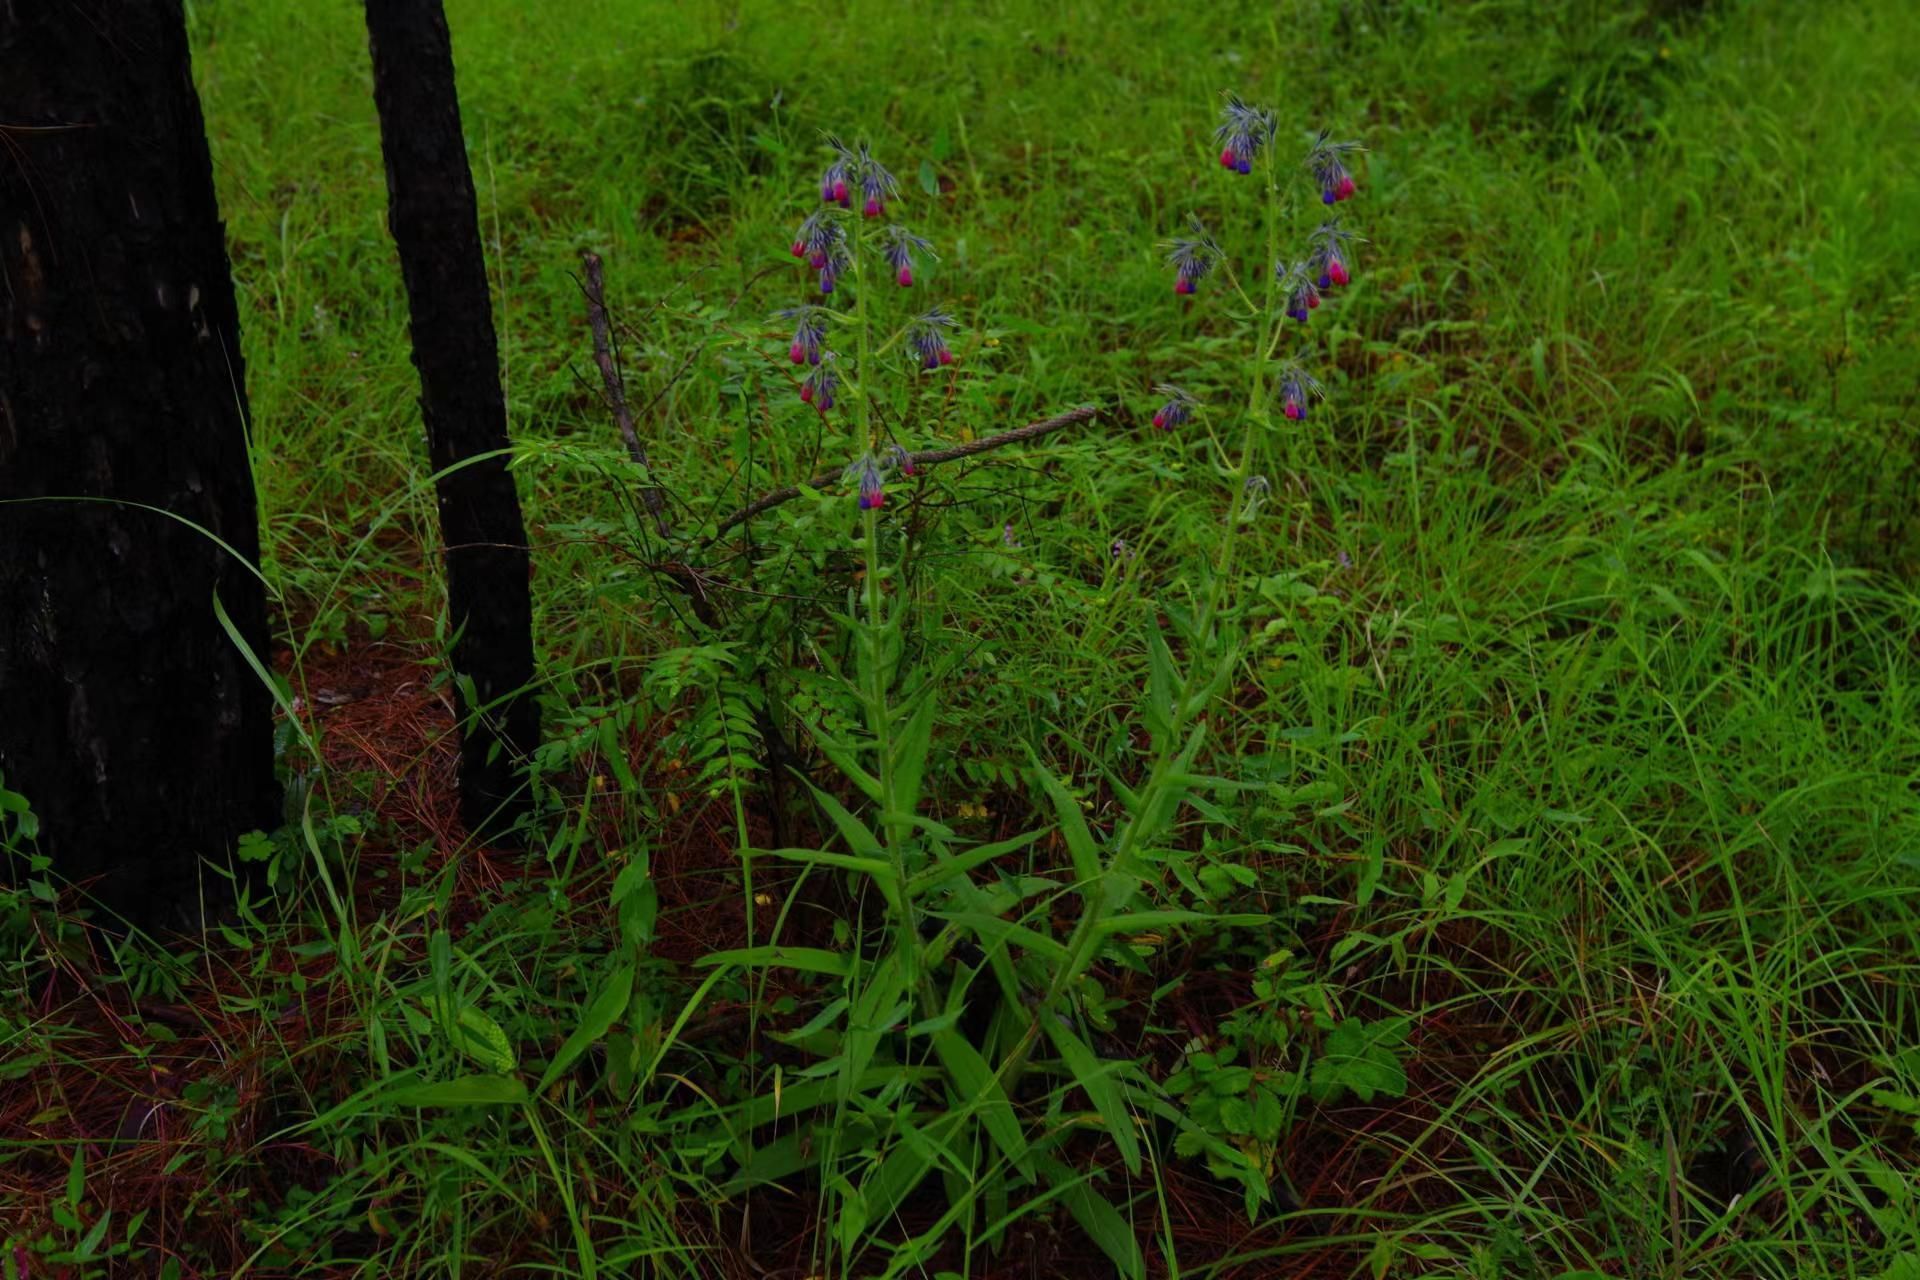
855	832
975	1082
602	1012
1087	867
910	754
1093	1076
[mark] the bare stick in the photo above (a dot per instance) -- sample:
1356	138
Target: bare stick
1032	431
595	290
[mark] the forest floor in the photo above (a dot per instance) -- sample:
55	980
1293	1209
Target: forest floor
1538	899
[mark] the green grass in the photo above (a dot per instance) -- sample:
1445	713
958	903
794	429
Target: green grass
1579	717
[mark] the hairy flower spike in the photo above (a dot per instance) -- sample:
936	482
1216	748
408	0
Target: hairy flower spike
1332	260
834	188
1327	160
815	236
876	184
899	245
928	339
1302	294
1177	409
865	473
1192	257
809	333
1298	389
820	384
1242	131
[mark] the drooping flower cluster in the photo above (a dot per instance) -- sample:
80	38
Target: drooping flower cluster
865	475
1327	161
1242	131
1192	257
822	240
853	167
1178	408
1331	258
1298	388
809	333
1296	282
927	336
818	386
899	245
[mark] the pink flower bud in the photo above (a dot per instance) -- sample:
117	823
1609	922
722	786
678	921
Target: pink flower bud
906	277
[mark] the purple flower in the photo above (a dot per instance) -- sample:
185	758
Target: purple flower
1242	131
876	184
899	245
1302	294
900	458
838	259
1298	388
822	240
1119	549
1327	160
834	187
928	339
1331	258
821	382
1007	538
1192	257
815	237
809	333
1178	408
865	473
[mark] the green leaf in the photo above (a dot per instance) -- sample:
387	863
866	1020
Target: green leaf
855	832
1087	867
601	1014
1096	1080
1096	1216
805	959
467	1091
483	1040
947	867
77	1178
929	181
975	1082
910	754
1360	1056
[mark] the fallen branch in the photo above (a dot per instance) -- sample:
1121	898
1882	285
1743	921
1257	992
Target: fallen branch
926	458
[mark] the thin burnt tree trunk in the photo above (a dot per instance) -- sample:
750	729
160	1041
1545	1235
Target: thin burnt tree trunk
127	717
435	223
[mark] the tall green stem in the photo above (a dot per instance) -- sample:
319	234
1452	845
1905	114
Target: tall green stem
1084	942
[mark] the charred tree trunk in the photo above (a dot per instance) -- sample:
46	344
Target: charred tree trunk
435	224
127	717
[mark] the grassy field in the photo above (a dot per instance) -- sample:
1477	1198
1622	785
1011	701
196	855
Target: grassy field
1517	812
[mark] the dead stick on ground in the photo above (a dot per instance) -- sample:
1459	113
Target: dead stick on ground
595	290
1032	431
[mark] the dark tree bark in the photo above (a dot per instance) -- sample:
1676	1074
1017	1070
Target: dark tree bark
435	224
127	717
